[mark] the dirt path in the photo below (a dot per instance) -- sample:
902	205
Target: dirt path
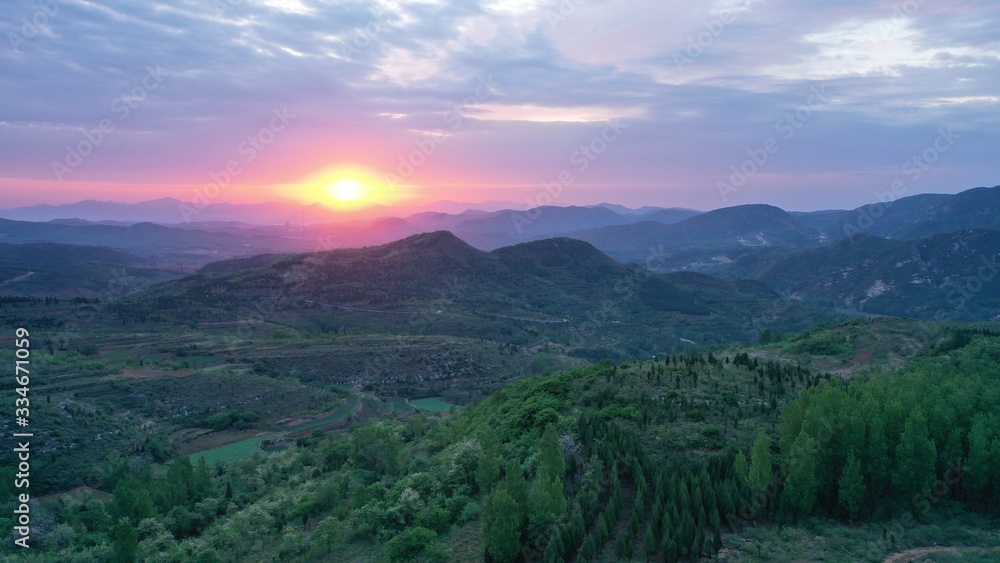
17	279
919	553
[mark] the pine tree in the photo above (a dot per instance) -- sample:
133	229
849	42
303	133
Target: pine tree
649	543
588	549
517	488
501	527
716	540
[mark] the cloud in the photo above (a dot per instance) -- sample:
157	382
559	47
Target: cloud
699	82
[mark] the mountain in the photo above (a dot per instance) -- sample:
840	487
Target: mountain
156	243
878	219
503	228
437	283
64	270
978	208
700	238
951	276
671	215
170	211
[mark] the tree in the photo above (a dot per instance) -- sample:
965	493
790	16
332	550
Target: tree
759	475
501	527
980	459
741	468
488	470
877	456
410	543
551	462
649	543
803	482
126	542
546	503
915	459
516	486
851	489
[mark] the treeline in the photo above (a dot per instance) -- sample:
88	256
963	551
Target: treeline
926	434
157	509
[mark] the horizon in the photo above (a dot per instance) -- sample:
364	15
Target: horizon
372	211
348	105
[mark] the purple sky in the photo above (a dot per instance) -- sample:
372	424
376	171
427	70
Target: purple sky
823	103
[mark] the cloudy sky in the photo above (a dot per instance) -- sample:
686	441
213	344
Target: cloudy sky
798	103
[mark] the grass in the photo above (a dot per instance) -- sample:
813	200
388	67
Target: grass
341	414
237	451
433	404
400	406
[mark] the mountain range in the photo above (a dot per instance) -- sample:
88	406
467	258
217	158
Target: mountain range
908	257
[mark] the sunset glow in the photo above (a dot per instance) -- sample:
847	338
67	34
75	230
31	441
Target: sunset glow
344	187
347	190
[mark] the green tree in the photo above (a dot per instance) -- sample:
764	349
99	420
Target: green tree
915	459
741	468
760	473
851	490
803	482
981	456
517	487
410	543
501	527
550	456
488	470
877	456
649	543
126	542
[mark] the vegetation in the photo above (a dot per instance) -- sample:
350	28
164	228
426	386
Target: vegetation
169	426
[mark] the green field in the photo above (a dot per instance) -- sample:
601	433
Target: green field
433	404
339	415
400	406
237	451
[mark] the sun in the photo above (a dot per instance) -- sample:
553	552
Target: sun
345	187
347	190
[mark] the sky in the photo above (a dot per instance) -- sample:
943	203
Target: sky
797	103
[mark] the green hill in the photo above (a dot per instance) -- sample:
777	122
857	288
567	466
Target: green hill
561	289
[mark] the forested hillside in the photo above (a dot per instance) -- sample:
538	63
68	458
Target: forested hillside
670	459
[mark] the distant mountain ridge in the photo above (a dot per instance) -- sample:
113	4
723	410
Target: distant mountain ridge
438	280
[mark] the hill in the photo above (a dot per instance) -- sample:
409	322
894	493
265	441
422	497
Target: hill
947	276
187	247
436	283
877	219
65	270
700	238
977	208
